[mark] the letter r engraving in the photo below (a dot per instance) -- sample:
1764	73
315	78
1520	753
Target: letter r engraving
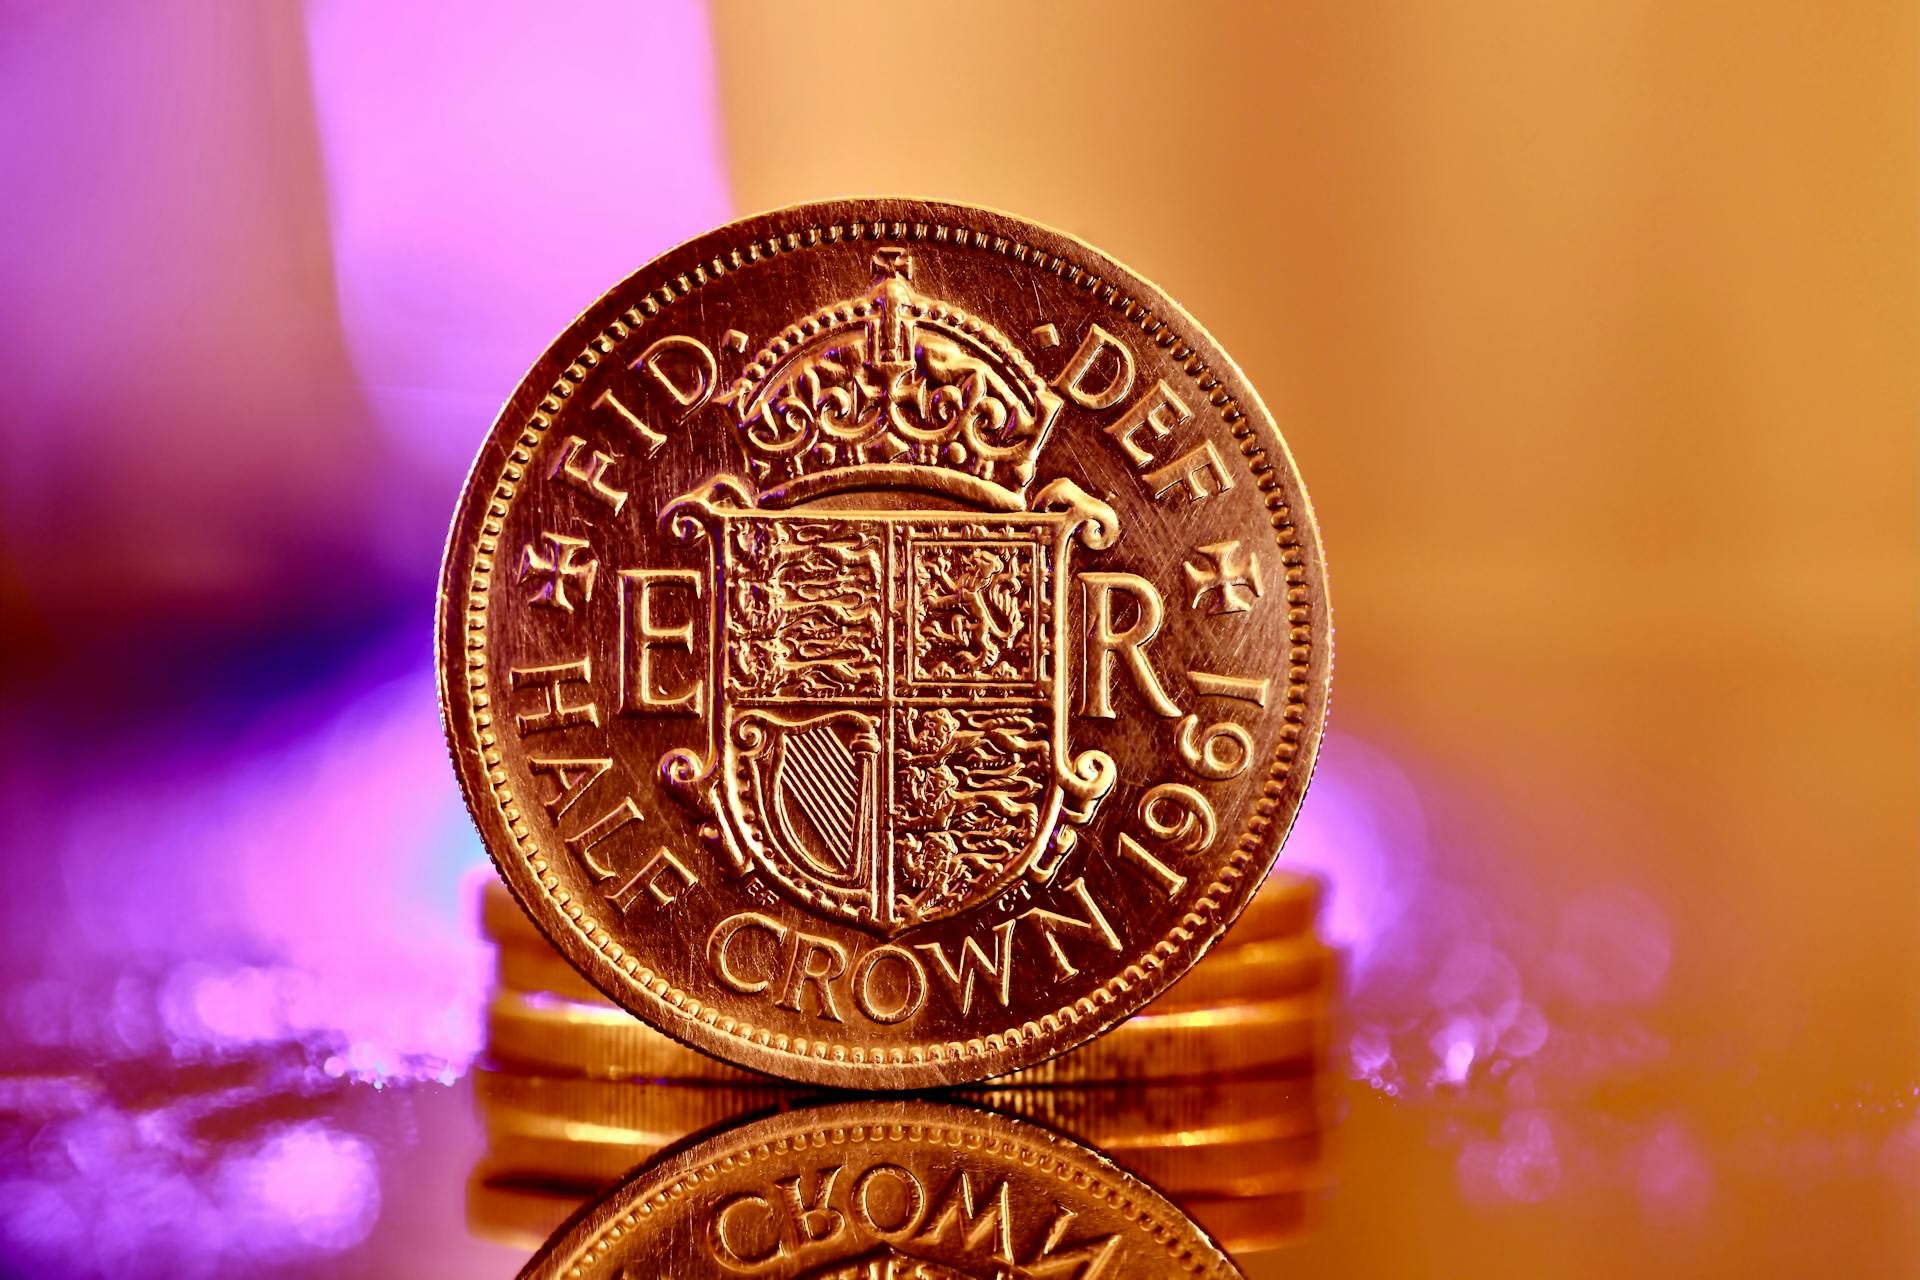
1104	643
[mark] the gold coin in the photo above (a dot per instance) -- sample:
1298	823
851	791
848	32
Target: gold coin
524	968
851	1190
517	1215
1284	905
1195	1113
1244	1225
884	643
1254	972
522	1216
656	1111
1251	1137
566	1153
592	1040
1189	1044
601	1041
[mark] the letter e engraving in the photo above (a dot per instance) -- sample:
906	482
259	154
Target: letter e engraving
1150	412
641	633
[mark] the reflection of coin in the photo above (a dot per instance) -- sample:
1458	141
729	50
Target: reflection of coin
522	1216
884	643
856	1189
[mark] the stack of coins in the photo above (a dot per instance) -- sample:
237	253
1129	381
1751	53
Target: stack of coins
1213	1094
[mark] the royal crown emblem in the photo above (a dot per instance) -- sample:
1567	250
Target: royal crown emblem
889	740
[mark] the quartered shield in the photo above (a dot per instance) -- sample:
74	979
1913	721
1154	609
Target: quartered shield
891	734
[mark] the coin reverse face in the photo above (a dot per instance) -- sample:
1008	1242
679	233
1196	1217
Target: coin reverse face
853	1191
883	643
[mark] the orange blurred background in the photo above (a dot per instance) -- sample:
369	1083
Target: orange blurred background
1593	326
1595	329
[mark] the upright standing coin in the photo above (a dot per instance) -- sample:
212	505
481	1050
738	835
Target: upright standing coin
862	1189
884	643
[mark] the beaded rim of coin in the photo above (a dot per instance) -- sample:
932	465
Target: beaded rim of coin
585	1244
981	1048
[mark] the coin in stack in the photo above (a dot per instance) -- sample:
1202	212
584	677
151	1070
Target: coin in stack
884	643
518	1215
859	1189
599	1040
1118	1117
1244	1225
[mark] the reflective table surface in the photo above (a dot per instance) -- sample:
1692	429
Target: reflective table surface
238	1054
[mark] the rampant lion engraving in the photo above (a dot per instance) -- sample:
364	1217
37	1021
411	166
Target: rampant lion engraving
973	602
